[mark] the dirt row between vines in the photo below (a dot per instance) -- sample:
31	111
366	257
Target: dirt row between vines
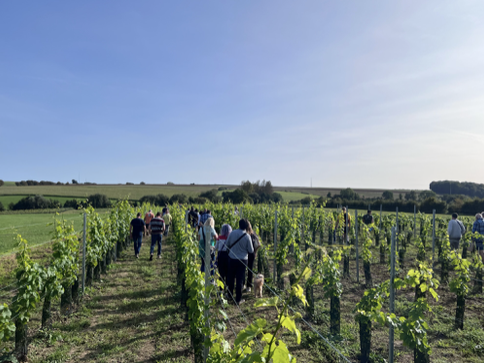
132	315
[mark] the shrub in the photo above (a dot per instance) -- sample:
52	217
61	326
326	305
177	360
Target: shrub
142	183
99	201
34	202
160	199
222	188
2	208
210	194
426	194
387	195
128	183
277	198
237	196
432	203
178	198
349	194
74	203
170	183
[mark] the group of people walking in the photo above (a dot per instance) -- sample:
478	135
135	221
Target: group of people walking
457	229
232	252
156	226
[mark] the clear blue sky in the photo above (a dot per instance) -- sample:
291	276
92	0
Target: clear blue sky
351	93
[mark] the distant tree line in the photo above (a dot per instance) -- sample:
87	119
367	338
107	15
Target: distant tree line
258	192
425	201
41	202
25	183
454	187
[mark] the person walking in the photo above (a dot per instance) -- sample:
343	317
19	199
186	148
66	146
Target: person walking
222	252
167	218
204	216
239	245
192	217
157	227
207	229
251	256
137	228
478	227
148	217
368	218
456	229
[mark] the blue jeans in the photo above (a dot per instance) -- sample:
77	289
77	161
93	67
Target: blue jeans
155	238
138	240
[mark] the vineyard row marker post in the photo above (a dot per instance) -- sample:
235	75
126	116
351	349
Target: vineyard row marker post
275	245
381	207
356	245
302	230
84	256
433	240
414	221
392	296
208	271
346	242
291	247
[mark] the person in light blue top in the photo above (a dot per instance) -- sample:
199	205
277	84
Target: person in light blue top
209	227
478	227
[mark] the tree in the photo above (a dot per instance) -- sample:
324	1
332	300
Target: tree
349	194
246	186
74	181
237	196
388	195
1	182
412	195
2	208
35	202
99	201
426	194
429	204
178	198
277	197
209	194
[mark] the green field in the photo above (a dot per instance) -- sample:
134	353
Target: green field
114	191
35	228
135	192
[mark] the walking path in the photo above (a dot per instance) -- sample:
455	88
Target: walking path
132	315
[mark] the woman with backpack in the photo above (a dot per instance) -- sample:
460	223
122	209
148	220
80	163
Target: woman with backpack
222	252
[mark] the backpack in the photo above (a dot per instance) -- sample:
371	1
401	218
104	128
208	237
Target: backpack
367	219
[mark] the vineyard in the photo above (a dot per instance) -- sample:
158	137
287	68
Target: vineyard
391	291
